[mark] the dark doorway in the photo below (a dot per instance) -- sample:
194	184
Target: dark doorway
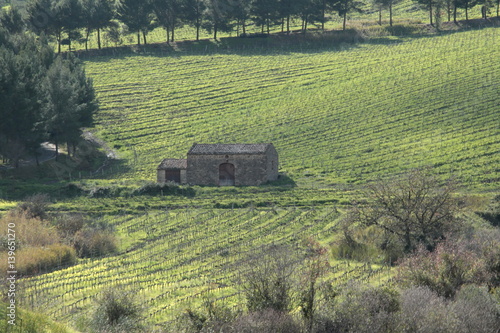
226	174
173	176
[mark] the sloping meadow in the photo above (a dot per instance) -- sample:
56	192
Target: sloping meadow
338	115
341	114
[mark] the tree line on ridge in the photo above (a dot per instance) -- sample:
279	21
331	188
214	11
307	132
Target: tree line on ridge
75	20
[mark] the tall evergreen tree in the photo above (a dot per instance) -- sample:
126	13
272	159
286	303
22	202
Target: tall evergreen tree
343	7
466	4
218	16
310	11
242	13
430	4
40	99
97	15
23	62
286	10
192	13
168	15
56	17
70	101
137	15
264	13
12	20
71	17
387	4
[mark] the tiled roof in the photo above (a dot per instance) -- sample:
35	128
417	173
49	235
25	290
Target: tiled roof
172	163
224	148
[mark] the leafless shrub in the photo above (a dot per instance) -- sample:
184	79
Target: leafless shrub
268	279
453	264
423	311
476	310
117	311
35	206
90	242
266	321
361	308
68	225
30	231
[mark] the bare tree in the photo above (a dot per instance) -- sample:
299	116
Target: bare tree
268	279
415	208
316	265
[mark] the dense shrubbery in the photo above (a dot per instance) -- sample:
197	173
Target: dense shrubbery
35	260
455	263
35	206
359	308
164	189
44	243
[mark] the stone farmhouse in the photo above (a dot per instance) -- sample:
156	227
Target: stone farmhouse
222	165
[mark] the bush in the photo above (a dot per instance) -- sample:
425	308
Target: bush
68	225
443	271
361	308
117	311
473	311
422	310
348	248
213	317
90	242
35	206
164	189
267	321
31	261
454	263
71	190
100	192
268	279
30	231
476	310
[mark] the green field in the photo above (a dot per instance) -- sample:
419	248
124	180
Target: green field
340	115
337	115
174	260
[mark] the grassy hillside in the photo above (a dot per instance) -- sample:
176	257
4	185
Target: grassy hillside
173	260
338	114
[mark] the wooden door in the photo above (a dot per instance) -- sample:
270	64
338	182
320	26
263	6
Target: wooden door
226	174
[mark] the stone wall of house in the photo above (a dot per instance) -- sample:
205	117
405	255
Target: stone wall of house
250	169
160	175
183	176
272	164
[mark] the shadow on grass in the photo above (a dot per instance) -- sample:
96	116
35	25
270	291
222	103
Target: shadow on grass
275	44
56	177
296	42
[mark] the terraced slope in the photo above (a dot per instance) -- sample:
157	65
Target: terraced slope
174	259
336	115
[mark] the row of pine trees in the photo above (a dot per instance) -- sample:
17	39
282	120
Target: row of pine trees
70	20
43	97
